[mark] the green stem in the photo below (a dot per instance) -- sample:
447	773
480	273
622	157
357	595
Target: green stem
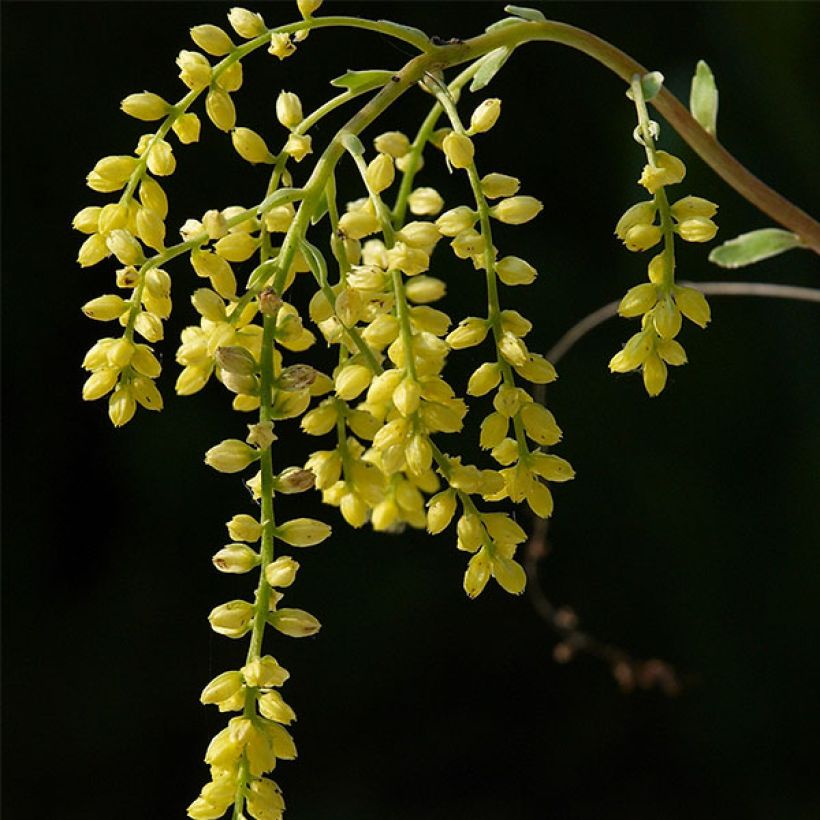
661	200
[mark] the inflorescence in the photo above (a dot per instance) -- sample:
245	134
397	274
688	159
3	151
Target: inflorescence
378	275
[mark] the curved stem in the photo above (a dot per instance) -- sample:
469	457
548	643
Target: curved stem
599	316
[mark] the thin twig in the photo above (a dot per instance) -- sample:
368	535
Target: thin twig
629	672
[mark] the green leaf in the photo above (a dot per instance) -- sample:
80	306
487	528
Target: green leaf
503	23
316	262
749	248
263	273
361	81
321	210
490	65
533	15
703	98
651	84
353	144
415	35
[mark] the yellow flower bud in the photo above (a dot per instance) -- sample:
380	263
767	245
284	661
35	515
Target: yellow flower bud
231	456
288	109
161	160
298	146
506	451
693	305
194	69
222	688
358	224
281	45
232	619
654	375
484	379
469	333
425	289
638	300
456	220
152	196
425	202
244	527
697	229
509	574
513	349
93	250
220	109
145	106
303	532
245	23
540	425
516	210
235	558
691	206
149	326
642	213
493	430
470	533
116	169
507	401
281	572
121	407
503	530
100	383
308	7
477	574
124	247
459	150
668	170
539	499
667	318
236	247
440	511
264	799
105	308
633	355
273	707
407	397
380	173
150	229
537	370
212	39
485	116
264	672
120	353
208	304
551	467
671	352
296	623
192	379
497	185
187	127
87	219
320	420
410	261
642	237
351	380
250	146
394	143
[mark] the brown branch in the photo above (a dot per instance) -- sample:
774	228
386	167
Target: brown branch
629	672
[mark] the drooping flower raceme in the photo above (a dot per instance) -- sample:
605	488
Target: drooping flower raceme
375	421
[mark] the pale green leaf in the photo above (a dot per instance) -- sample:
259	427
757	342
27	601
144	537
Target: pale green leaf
651	84
361	81
490	65
525	13
749	248
353	144
703	98
503	23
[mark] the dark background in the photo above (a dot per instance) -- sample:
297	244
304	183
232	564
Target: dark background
691	532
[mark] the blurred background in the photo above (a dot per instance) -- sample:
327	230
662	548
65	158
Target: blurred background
690	533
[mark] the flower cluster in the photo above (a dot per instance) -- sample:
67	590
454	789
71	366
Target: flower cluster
660	302
389	397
